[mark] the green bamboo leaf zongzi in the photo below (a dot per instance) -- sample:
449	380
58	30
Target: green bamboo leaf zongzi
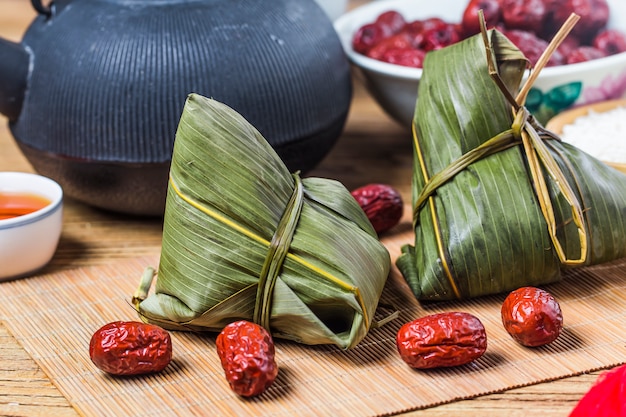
243	238
499	202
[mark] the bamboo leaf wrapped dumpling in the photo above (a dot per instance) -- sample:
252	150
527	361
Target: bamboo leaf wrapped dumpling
499	202
245	239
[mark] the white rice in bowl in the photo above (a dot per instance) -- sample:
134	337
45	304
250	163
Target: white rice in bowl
600	134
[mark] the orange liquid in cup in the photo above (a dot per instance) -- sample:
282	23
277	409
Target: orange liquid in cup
14	204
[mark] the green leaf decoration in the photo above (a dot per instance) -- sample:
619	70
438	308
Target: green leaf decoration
560	98
563	96
499	202
243	238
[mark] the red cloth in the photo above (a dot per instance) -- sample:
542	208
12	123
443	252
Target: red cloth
606	398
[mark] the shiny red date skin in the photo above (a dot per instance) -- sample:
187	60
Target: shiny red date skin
529	24
246	351
442	340
532	316
492	12
130	348
382	205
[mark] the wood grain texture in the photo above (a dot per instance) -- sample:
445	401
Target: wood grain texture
372	149
54	315
24	389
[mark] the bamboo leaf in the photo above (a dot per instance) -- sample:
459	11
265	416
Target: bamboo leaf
245	239
492	215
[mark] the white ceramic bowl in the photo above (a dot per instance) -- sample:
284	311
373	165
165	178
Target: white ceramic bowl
28	242
395	87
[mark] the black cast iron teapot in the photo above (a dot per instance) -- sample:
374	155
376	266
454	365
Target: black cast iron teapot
94	91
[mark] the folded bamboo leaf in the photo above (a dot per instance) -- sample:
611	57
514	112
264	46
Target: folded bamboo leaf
499	202
245	239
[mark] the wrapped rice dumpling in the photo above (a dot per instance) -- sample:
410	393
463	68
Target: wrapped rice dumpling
499	202
245	239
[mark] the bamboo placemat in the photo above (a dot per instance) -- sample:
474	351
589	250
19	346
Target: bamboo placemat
53	316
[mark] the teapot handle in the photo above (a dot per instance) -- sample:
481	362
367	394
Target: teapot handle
41	9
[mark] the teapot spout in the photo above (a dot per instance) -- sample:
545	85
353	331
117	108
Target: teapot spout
14	68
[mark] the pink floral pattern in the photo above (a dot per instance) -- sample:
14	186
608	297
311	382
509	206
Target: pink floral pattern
611	88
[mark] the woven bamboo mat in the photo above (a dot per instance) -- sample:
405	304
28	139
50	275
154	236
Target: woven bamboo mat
53	317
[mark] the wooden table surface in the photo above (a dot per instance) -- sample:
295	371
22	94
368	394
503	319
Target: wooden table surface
91	237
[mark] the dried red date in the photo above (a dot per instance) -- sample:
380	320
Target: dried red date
246	351
417	29
610	42
584	54
392	21
130	348
381	203
568	46
367	37
399	41
441	36
532	316
405	57
528	15
532	46
529	24
442	340
492	13
594	15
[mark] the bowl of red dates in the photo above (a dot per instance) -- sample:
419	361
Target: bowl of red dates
386	41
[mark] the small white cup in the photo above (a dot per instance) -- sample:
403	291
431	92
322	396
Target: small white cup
28	242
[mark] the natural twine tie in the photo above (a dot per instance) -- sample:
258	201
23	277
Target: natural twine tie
527	133
278	250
